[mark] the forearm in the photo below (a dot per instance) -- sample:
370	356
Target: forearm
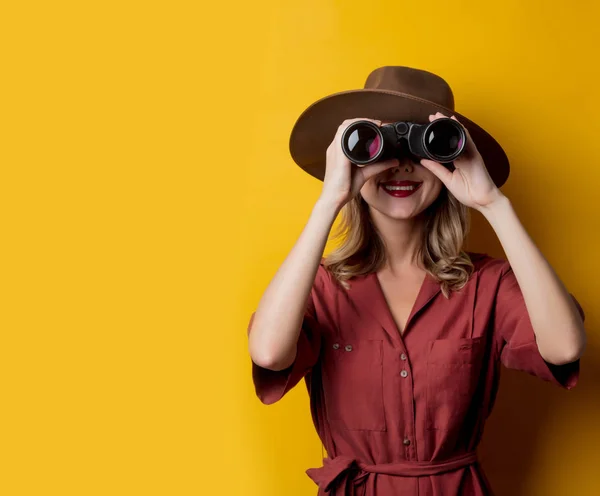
557	324
277	323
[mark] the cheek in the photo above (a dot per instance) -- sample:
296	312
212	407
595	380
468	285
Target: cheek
434	184
369	189
435	191
437	187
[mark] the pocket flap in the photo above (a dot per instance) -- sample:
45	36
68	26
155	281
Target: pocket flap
454	351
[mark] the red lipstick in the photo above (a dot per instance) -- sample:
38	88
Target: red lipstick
401	189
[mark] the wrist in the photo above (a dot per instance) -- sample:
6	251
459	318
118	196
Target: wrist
325	205
496	208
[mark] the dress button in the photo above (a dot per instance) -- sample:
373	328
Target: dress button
406	441
336	346
404	373
348	347
403	357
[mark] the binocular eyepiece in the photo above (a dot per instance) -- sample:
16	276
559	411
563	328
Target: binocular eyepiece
442	140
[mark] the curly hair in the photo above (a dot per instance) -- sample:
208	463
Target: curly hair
362	249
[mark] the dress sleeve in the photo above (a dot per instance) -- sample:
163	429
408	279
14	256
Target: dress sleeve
516	338
271	385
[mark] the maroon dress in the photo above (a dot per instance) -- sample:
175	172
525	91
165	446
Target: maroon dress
402	415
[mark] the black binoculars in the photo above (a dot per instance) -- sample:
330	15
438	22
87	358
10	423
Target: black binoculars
442	140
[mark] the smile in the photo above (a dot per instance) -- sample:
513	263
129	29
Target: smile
401	189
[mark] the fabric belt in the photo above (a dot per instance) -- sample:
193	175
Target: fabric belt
345	471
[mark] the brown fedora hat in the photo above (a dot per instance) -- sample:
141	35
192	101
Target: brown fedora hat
391	93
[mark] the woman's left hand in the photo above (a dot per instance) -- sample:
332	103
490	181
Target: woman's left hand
470	181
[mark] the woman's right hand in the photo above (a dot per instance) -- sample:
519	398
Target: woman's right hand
343	179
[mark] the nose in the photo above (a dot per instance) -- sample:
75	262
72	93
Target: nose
405	165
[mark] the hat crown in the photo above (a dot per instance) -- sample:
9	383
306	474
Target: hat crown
414	82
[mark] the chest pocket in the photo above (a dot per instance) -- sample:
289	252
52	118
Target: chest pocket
453	374
352	375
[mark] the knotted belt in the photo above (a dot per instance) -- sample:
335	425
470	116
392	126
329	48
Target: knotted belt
346	472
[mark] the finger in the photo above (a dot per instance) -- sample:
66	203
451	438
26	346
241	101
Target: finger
340	130
471	146
342	127
378	167
438	169
437	115
463	126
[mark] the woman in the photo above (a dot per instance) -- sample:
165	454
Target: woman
399	333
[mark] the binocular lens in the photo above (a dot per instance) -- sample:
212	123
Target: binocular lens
363	143
444	138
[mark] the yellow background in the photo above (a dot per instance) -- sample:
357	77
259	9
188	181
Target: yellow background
148	197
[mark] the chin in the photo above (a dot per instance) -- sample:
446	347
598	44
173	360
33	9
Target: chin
399	209
398	212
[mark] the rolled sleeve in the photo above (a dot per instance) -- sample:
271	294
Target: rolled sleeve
516	338
271	385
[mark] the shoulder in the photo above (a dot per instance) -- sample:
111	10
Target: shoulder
487	266
325	274
494	277
324	279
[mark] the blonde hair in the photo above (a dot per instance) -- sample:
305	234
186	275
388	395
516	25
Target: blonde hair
362	250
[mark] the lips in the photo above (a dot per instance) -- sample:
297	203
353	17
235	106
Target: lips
401	189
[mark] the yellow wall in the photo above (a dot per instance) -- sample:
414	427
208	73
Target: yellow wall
148	198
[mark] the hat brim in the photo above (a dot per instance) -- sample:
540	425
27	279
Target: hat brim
315	129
